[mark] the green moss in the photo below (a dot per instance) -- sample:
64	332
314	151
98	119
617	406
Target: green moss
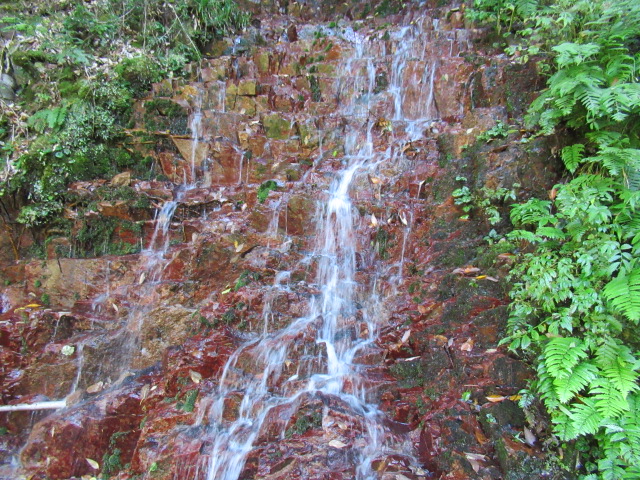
165	115
304	422
265	188
139	73
409	374
314	85
276	126
382	243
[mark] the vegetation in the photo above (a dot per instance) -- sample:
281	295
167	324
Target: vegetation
79	67
576	297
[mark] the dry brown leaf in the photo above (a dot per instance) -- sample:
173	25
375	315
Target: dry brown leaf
529	437
144	391
195	376
466	270
495	398
95	388
337	444
440	339
468	345
475	460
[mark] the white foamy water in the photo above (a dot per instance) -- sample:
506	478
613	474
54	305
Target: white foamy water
268	371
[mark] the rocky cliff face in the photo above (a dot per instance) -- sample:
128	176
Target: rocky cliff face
161	354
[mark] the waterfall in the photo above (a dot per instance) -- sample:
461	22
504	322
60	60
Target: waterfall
345	317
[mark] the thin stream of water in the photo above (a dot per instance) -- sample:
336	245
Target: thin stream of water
341	306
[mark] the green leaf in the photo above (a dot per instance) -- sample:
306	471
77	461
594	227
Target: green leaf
572	155
581	376
561	355
586	418
623	293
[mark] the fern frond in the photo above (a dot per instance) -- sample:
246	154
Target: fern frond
591	98
618	365
572	155
526	8
567	387
535	211
563	426
623	293
609	402
586	418
573	53
631	177
561	355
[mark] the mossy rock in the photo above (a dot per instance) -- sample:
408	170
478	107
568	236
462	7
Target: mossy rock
276	127
165	115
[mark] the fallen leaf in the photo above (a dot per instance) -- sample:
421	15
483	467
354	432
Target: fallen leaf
95	465
144	391
440	339
115	307
337	444
467	346
195	376
238	247
374	180
480	437
95	388
466	270
529	437
495	398
142	277
374	220
410	359
403	219
515	398
475	460
417	470
406	336
491	279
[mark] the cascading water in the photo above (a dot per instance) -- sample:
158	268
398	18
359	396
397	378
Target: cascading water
344	319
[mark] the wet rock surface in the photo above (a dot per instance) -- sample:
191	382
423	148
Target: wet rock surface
138	343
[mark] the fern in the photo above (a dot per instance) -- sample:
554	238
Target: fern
609	402
567	387
563	354
572	155
52	119
623	293
586	417
618	365
574	54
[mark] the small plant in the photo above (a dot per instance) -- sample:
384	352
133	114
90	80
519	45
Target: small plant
265	188
486	200
499	130
189	401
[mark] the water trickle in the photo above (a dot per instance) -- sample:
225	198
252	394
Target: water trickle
343	320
